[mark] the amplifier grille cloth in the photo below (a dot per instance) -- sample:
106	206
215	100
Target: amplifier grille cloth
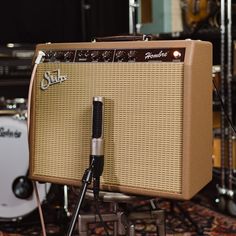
143	123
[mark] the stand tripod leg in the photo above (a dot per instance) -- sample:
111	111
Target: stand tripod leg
160	218
199	230
160	223
131	230
86	181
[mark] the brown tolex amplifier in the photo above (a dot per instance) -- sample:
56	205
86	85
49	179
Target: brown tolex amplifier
157	115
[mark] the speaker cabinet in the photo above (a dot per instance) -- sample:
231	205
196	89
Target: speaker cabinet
158	115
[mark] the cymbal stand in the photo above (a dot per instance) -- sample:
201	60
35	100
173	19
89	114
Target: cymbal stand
222	188
226	193
231	206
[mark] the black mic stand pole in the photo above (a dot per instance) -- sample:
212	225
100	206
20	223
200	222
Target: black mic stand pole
86	180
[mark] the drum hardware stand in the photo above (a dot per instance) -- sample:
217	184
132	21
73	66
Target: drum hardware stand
231	205
21	115
66	209
133	6
225	200
220	200
122	221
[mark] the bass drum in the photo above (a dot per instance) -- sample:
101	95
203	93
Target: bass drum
14	163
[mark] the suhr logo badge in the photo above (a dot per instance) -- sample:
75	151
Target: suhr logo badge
52	77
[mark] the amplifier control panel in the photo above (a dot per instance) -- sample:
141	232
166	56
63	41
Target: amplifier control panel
116	55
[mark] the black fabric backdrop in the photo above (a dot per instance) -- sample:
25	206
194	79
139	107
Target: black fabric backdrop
42	21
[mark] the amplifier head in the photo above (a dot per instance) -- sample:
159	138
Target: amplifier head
157	115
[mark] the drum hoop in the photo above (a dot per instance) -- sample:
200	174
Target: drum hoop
8	112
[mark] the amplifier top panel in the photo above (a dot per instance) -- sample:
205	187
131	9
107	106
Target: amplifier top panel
116	55
133	51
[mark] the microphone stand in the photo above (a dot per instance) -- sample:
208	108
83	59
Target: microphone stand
86	180
96	159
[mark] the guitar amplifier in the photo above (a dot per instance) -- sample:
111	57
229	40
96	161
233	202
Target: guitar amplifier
157	115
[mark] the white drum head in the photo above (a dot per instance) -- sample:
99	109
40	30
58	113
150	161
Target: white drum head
14	162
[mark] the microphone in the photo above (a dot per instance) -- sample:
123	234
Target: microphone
97	142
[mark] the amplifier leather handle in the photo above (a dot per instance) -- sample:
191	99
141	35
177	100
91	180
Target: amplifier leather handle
139	37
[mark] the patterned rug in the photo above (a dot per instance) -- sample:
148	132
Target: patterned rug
183	218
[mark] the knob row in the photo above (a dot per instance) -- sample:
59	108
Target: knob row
90	55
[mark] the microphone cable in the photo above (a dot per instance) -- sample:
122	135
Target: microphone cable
38	60
223	107
103	223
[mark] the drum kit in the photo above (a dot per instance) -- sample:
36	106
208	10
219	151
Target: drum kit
17	198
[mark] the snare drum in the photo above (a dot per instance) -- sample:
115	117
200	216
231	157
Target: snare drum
14	162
